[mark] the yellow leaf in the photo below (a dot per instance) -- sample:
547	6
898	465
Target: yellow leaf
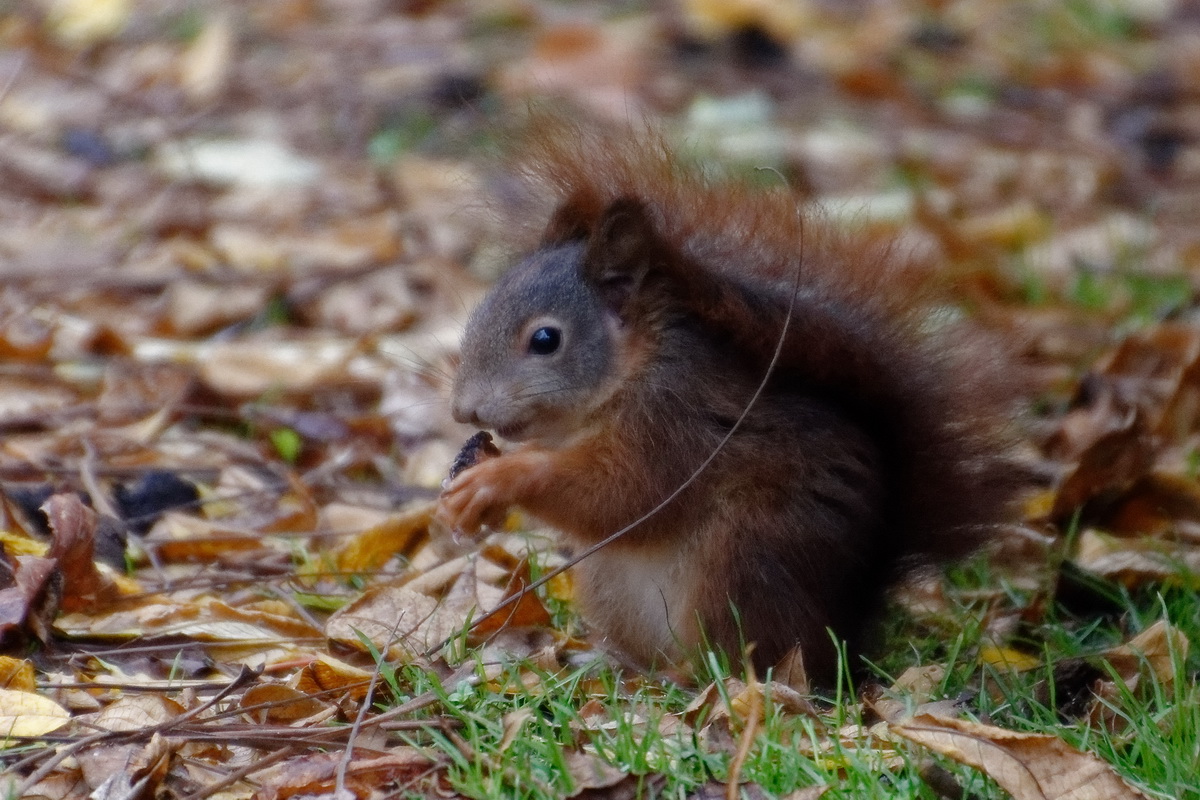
17	545
84	22
16	674
371	549
29	714
204	67
1039	505
561	587
1007	658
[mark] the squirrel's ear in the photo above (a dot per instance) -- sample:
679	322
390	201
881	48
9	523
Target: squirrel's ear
622	250
572	221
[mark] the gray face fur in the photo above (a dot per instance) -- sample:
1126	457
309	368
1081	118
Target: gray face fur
502	385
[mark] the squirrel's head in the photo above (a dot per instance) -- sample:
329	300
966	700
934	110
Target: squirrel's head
557	335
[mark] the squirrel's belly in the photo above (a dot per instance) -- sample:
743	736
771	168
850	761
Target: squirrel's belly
642	600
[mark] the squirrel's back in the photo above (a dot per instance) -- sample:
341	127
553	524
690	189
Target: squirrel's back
866	332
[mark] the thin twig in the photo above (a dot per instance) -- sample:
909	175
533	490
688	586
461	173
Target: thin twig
348	753
57	757
238	774
749	731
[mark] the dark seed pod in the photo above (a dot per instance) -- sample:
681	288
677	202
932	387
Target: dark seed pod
474	450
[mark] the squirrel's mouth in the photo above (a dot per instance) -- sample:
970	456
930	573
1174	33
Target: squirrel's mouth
512	431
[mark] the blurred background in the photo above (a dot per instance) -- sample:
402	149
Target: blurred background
299	200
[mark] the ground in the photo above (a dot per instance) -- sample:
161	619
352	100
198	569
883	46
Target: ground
239	244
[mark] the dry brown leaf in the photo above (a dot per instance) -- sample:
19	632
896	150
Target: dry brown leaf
137	712
205	619
1134	562
514	722
25	402
133	391
1181	411
64	784
747	701
221	621
807	793
1160	352
41	173
316	774
436	576
252	367
791	701
915	684
398	621
710	700
74	527
589	772
1109	466
597	64
1156	506
791	672
1150	654
180	537
921	682
326	673
526	611
127	771
251	249
380	302
1028	766
194	308
1153	647
277	703
23	336
30	575
295	512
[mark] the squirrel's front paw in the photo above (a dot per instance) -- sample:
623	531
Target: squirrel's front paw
483	494
475	498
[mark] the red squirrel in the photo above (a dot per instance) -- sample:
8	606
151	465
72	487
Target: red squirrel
620	352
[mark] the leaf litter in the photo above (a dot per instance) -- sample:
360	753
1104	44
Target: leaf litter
239	247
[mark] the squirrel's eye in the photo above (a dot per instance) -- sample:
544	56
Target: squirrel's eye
545	341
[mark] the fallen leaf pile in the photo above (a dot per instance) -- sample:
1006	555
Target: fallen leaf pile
239	243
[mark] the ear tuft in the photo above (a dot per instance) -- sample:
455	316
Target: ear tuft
622	250
572	221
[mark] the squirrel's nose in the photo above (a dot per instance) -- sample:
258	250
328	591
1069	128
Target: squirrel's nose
465	413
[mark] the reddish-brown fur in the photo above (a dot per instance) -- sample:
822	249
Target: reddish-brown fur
875	447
